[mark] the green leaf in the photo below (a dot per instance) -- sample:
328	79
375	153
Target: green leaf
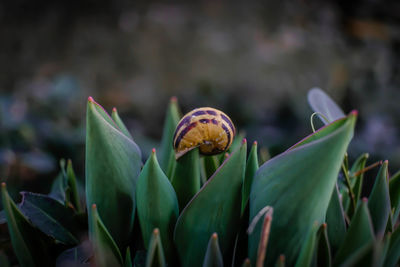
113	162
308	248
28	243
362	257
251	168
394	190
167	155
335	221
215	208
324	257
59	185
120	123
51	217
298	184
357	181
157	205
210	165
106	252
359	234
128	259
186	177
393	254
155	253
379	201
213	257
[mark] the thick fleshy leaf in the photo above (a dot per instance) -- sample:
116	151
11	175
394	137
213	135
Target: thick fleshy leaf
379	201
322	103
120	123
106	252
167	155
51	217
394	190
251	168
28	243
215	208
361	257
157	205
155	253
393	254
335	221
308	248
298	184
113	163
213	257
359	234
186	177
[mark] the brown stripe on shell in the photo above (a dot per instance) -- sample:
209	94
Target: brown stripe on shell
225	118
184	132
228	135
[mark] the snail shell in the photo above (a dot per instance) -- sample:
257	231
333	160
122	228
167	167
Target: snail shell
207	128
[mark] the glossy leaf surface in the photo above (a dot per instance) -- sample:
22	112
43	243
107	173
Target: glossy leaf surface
214	209
298	184
113	163
157	205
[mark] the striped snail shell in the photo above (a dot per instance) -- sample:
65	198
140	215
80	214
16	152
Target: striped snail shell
207	128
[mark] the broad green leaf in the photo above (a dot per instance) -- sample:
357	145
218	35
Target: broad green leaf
322	103
155	253
106	252
213	257
214	209
128	259
167	155
393	254
113	162
335	221
120	123
359	234
308	247
298	184
379	201
60	185
324	257
51	217
157	205
357	181
251	168
394	189
186	177
28	243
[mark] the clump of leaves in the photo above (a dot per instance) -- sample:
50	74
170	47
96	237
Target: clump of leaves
294	209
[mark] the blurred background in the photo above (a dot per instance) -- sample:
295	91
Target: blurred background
255	61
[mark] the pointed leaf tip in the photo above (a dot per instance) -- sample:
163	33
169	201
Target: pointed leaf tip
364	199
174	99
153	151
114	109
90	99
214	236
3	185
94	207
156	231
244	141
255	143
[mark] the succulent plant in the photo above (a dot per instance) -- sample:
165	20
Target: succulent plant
303	207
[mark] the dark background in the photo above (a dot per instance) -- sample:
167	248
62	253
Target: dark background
256	61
